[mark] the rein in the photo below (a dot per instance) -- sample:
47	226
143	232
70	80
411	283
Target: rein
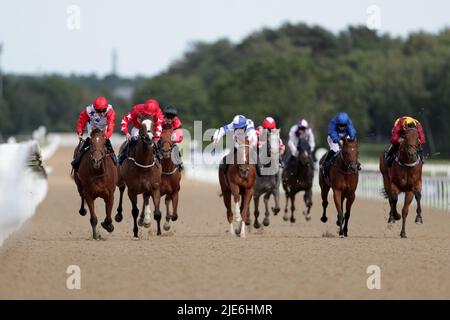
171	172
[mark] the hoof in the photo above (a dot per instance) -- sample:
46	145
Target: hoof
174	217
324	219
419	220
285	218
292	220
82	212
391	220
166	226
275	211
403	235
141	222
146	224
338	223
247	222
135	238
266	222
107	227
118	217
257	225
397	216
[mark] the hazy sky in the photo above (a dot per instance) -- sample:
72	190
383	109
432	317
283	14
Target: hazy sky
150	34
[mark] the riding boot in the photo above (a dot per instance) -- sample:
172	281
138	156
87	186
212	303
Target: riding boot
389	156
110	149
80	152
176	151
326	163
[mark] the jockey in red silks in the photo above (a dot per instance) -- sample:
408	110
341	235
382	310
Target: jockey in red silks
99	115
173	123
269	126
400	126
134	117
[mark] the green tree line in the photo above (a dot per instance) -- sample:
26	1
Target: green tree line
290	72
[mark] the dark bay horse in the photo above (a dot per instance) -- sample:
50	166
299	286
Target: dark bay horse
343	179
238	182
298	176
405	175
171	177
140	173
97	178
268	183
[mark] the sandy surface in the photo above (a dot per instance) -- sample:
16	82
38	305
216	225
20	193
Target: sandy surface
197	259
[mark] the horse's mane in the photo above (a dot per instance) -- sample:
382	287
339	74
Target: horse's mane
96	131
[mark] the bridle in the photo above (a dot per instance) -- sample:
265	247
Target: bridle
402	146
350	167
148	141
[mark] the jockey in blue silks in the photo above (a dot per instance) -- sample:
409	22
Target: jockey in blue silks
240	124
340	126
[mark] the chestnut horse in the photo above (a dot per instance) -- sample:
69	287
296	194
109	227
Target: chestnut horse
97	178
405	175
238	181
140	173
171	177
343	179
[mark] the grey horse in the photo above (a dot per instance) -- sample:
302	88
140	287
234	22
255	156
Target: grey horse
268	180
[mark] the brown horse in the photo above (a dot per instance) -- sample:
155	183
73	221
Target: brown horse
238	181
97	178
343	179
141	174
171	177
405	175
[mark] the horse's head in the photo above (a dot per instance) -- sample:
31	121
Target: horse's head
98	148
166	144
410	145
243	154
304	151
146	130
350	154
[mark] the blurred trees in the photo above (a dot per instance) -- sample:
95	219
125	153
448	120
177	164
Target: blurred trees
291	72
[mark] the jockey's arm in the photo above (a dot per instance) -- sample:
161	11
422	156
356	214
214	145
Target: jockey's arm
292	143
351	130
82	121
111	116
332	131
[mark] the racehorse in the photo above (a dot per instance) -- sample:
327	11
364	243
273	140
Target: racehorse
171	177
268	183
140	173
298	176
343	179
405	175
97	178
238	181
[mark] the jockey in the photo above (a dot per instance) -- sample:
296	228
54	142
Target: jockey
398	131
300	130
172	122
134	117
99	115
262	132
240	124
340	126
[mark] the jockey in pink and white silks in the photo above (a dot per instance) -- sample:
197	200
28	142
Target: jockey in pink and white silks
300	130
241	126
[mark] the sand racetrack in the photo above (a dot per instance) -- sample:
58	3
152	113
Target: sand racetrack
197	259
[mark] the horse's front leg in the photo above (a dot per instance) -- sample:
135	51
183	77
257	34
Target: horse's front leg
82	210
145	216
266	221
256	196
308	202
118	217
337	195
175	206
93	220
418	196
393	199
134	213
348	208
167	203
292	196
107	223
157	213
409	196
247	197
325	189
276	195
